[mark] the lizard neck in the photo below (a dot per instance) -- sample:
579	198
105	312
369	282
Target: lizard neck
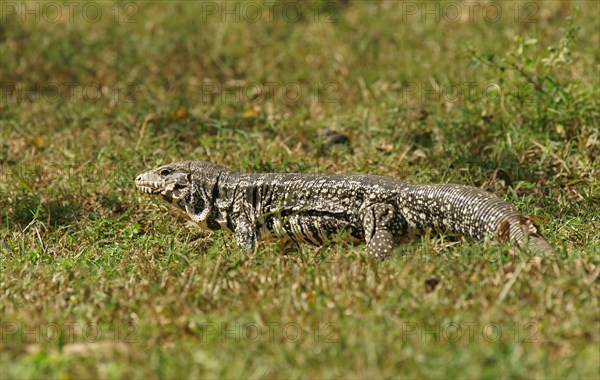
206	201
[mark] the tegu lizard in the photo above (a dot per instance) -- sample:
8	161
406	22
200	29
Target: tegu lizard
380	211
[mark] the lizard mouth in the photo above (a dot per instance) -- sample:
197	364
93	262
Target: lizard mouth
149	187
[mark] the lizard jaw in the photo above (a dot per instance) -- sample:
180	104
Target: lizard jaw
148	184
150	187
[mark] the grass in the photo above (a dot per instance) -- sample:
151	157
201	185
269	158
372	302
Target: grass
100	281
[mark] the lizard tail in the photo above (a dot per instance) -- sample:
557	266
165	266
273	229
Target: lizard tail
469	211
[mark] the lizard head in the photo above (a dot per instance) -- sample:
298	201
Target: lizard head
172	181
190	185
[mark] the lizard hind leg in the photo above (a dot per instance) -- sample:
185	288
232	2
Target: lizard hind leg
382	244
383	229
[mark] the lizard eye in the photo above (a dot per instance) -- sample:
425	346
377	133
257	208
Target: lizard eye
165	172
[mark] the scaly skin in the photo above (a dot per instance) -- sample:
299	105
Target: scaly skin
310	208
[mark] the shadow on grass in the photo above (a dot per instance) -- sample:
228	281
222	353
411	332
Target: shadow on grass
31	207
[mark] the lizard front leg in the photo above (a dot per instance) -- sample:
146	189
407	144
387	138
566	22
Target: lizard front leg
246	236
383	228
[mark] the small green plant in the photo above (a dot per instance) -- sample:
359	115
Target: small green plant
532	84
